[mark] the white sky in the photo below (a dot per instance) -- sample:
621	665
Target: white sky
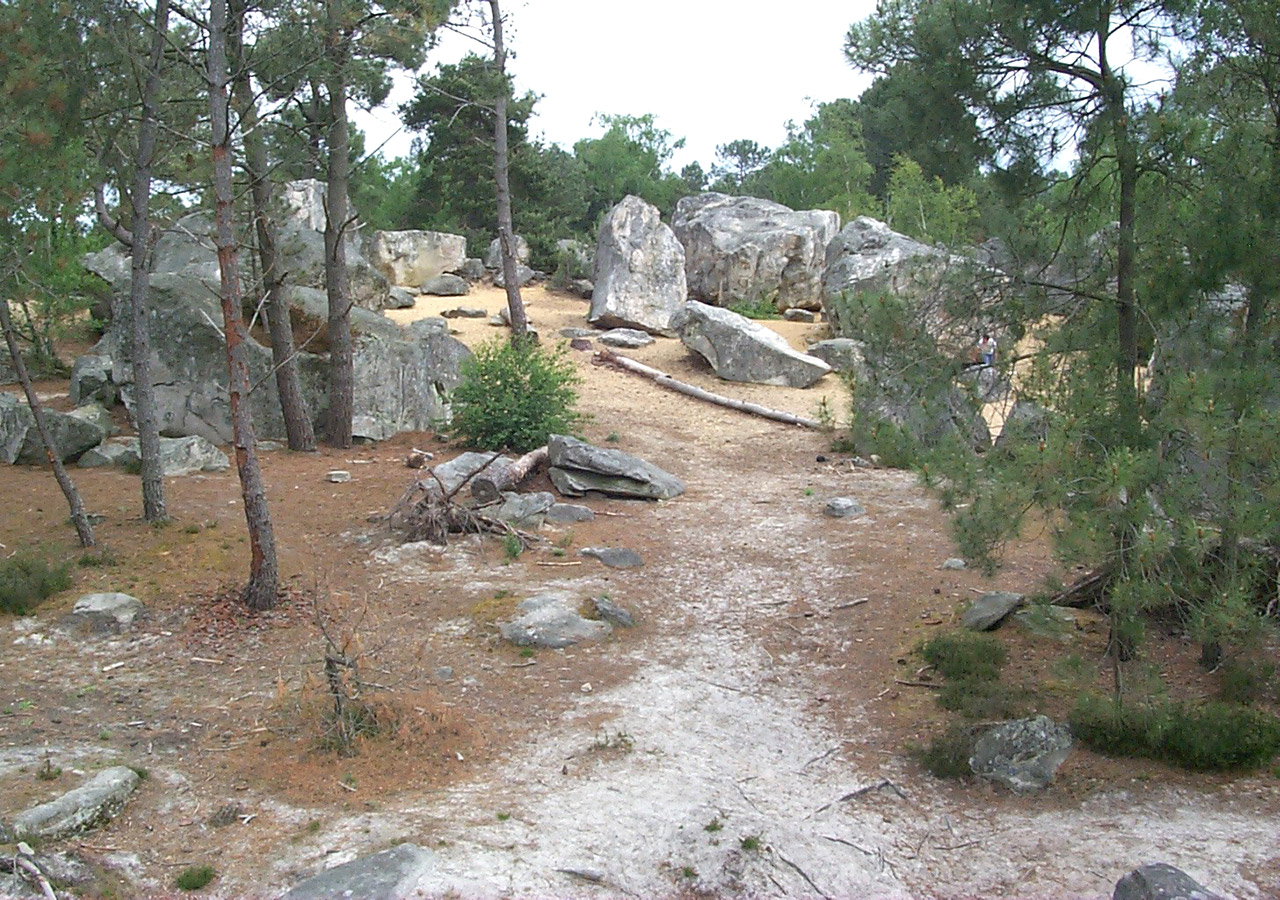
710	71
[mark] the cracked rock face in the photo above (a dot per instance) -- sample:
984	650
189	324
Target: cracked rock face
639	271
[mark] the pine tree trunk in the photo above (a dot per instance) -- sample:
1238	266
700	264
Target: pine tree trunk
293	406
263	587
84	530
501	173
337	284
144	402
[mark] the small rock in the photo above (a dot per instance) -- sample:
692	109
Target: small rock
571	333
1023	754
464	312
338	476
989	610
580	344
551	621
268	446
525	510
107	612
612	612
445	286
614	557
954	564
586	688
796	314
626	338
391	873
570	512
445	673
1161	881
399	298
844	508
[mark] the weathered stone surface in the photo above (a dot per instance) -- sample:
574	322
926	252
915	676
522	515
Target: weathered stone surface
493	256
400	298
1023	754
95	414
742	249
628	338
107	611
178	456
639	279
742	350
524	275
989	610
552	620
613	613
578	467
582	288
842	355
1161	881
302	246
465	465
446	286
954	564
567	513
1042	620
1026	423
987	383
471	269
525	510
91	380
390	875
94	803
20	439
795	314
464	312
579	258
844	508
614	557
409	258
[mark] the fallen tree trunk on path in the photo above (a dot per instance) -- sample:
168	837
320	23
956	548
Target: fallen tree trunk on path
488	487
608	357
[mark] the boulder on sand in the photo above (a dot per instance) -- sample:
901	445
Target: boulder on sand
639	271
742	350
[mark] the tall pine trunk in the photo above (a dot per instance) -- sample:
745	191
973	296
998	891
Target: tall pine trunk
501	175
336	281
293	406
144	403
80	521
263	587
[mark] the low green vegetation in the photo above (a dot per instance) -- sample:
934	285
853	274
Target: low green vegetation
194	878
946	755
28	578
513	395
759	308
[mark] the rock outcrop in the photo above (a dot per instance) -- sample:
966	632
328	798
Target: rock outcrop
639	271
20	439
577	467
743	250
408	258
740	349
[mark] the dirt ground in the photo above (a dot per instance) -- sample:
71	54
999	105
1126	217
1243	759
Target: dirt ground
716	749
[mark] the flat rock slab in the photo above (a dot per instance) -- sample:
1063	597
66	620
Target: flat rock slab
1161	881
465	312
525	510
390	875
110	612
1023	754
612	612
628	338
97	801
178	456
577	467
568	513
552	621
989	610
614	557
463	466
446	286
844	508
740	349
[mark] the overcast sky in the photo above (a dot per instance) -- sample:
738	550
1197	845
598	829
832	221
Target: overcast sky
711	71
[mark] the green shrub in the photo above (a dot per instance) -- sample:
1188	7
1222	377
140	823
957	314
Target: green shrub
513	395
194	878
760	308
26	579
962	655
947	754
1212	737
978	698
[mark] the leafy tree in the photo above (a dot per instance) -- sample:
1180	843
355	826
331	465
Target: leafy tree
631	157
928	209
736	161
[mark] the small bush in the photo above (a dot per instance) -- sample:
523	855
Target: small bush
976	698
947	754
759	308
26	579
961	655
194	878
1246	680
1212	737
513	395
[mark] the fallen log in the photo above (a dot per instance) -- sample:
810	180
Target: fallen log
608	357
488	486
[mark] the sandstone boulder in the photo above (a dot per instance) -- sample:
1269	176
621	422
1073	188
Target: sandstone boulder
20	439
493	257
740	349
639	270
408	258
1022	754
577	467
743	249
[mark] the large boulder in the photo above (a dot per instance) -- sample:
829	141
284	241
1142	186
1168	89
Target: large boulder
178	456
577	467
20	439
740	349
408	258
639	270
743	249
402	376
1023	754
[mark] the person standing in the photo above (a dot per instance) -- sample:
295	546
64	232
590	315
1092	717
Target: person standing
987	349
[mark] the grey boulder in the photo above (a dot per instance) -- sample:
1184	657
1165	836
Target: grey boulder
552	621
1161	881
525	510
844	508
400	298
577	467
412	257
568	513
463	467
97	801
626	338
178	456
493	257
390	875
446	286
740	349
842	355
740	249
639	279
614	557
990	610
1023	754
524	275
106	612
20	439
